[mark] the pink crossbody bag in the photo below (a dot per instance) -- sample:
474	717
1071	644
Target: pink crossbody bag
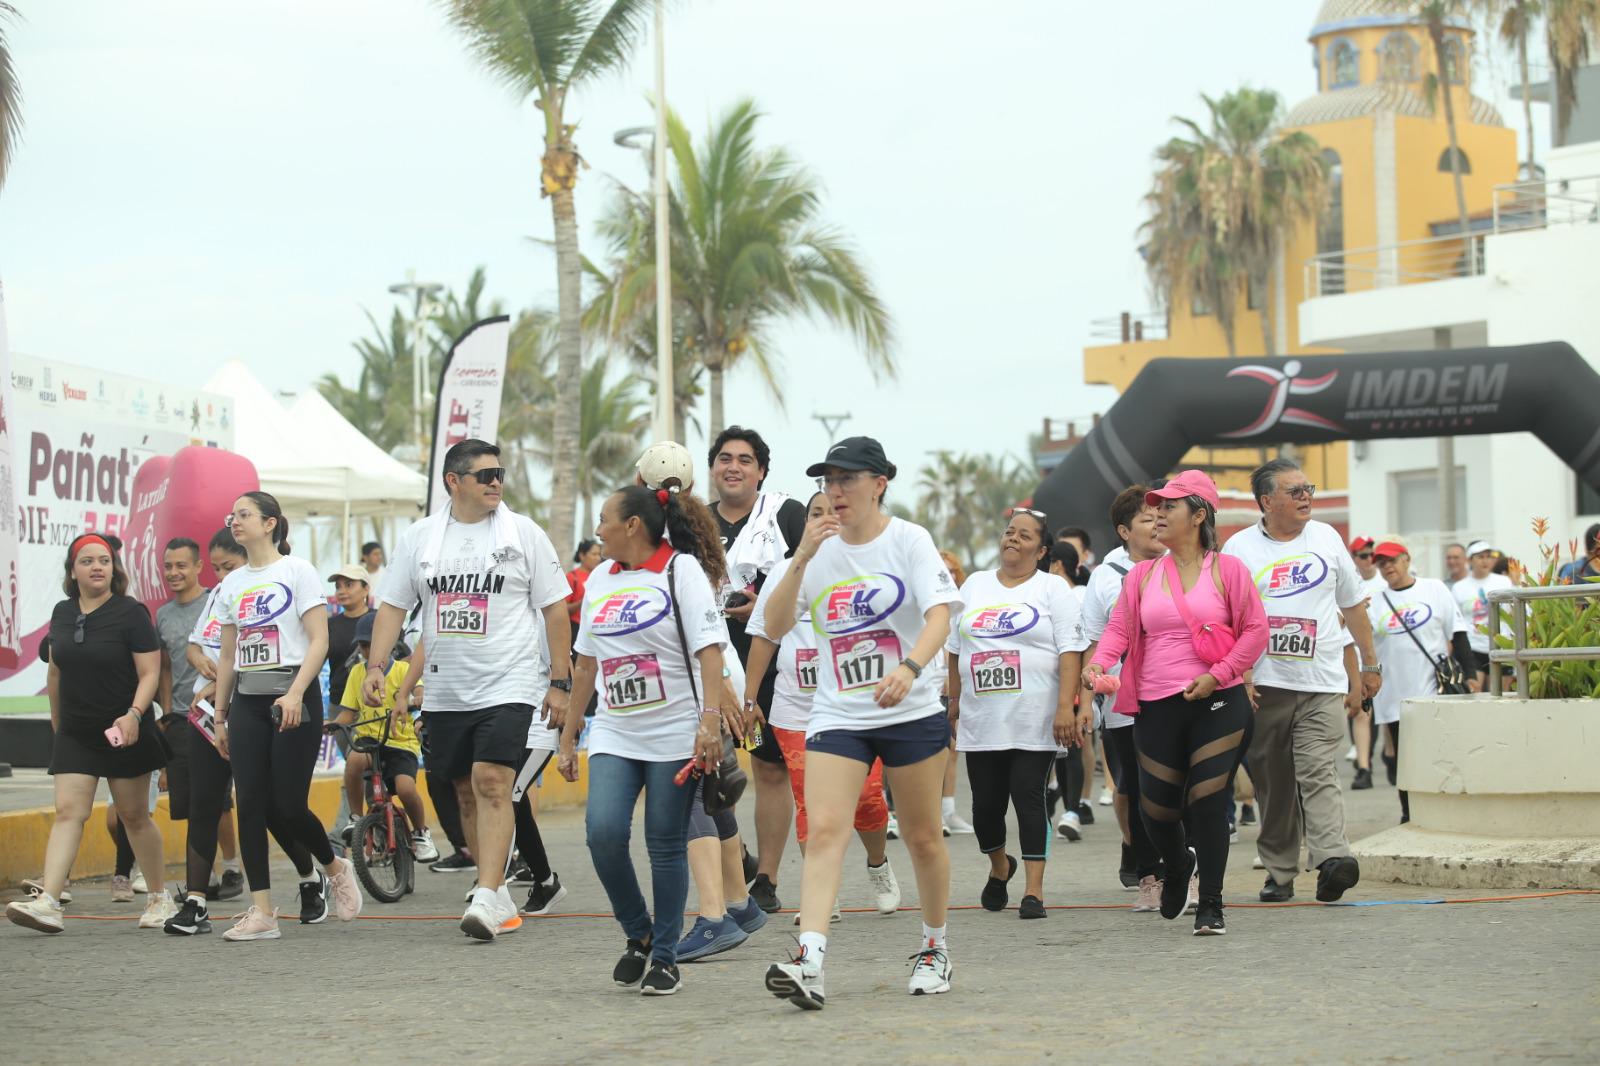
1212	640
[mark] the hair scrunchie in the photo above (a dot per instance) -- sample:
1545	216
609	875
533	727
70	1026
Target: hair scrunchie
662	496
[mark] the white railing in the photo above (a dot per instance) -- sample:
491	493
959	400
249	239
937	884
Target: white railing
1517	207
1519	655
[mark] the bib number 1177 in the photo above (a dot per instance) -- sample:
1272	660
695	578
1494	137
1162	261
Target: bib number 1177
861	660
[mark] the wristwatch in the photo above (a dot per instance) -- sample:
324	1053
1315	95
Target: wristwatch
562	683
1372	668
912	665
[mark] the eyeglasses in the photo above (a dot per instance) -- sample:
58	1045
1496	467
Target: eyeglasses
488	475
1040	515
229	519
77	629
1301	492
838	481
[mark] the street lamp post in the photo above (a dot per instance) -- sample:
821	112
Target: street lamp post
421	293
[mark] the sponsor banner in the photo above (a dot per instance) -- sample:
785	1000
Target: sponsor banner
468	400
79	439
10	622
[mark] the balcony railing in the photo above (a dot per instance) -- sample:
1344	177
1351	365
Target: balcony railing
1517	207
1128	327
1519	655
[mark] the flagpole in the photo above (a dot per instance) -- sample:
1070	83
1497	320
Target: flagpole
665	393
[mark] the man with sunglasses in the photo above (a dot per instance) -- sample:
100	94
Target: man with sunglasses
1301	685
495	639
1361	553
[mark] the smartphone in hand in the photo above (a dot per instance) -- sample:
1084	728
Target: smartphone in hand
114	735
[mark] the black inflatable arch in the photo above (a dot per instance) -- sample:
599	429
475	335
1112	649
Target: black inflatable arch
1175	404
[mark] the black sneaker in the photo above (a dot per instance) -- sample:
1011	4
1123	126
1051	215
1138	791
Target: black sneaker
190	920
1085	812
1175	889
662	980
1126	873
630	968
1272	892
1208	918
1247	814
993	897
765	893
1336	876
750	867
1032	907
1391	768
541	897
458	863
231	885
314	900
519	873
1363	778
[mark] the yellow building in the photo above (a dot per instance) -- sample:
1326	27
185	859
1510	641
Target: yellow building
1387	150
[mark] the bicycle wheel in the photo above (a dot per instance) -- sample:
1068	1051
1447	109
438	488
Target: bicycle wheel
383	868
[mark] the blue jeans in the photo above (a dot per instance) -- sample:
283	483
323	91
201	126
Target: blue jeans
614	786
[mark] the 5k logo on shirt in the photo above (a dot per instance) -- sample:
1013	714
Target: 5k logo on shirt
857	603
1001	620
1291	575
1407	616
624	611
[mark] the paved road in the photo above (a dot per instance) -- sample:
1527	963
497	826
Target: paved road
1405	983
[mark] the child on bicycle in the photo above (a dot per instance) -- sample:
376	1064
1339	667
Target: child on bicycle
401	751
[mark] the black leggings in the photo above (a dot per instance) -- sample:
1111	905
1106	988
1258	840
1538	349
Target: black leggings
125	858
1188	753
1020	778
446	804
1122	756
1069	777
1405	798
530	845
210	778
272	770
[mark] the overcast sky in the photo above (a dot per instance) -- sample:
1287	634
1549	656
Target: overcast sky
199	181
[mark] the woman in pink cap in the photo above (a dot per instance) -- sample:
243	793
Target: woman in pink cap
1190	624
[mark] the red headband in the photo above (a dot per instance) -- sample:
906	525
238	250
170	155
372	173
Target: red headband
90	538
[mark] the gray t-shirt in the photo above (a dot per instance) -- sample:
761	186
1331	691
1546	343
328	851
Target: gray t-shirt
175	622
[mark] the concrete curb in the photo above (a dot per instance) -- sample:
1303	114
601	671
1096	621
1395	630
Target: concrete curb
1416	856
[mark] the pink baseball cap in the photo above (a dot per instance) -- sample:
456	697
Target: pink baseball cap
1188	483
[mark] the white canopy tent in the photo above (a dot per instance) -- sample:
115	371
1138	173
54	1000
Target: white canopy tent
316	463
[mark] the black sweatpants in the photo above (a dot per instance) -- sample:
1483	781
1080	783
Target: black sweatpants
1122	756
273	772
1016	777
530	844
1188	753
1405	798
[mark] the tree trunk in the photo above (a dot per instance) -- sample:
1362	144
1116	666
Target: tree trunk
1269	344
1436	33
716	426
569	372
1527	99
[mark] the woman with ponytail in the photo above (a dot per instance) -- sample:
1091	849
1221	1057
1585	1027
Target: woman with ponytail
652	636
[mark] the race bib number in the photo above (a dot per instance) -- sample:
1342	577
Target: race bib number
258	647
805	669
997	672
462	614
861	660
633	683
1291	638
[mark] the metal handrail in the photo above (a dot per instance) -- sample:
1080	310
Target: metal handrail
1519	653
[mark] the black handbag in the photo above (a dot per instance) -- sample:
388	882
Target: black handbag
722	787
1446	671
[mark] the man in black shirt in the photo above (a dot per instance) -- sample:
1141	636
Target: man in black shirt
758	529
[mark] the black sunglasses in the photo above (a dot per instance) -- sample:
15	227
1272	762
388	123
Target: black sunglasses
488	475
77	629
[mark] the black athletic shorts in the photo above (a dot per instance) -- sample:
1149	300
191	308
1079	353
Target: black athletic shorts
397	763
457	739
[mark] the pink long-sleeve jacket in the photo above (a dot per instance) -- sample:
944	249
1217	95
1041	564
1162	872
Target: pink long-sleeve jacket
1246	617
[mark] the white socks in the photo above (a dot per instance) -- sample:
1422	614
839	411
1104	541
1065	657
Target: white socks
947	806
814	946
932	935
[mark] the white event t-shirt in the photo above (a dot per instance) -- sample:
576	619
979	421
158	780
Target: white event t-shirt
1472	599
647	707
482	620
1009	642
1429	610
796	659
207	634
1305	583
1100	596
868	603
266	606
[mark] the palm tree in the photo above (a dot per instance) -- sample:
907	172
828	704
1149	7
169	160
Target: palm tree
1568	25
454	315
614	420
750	250
10	98
1514	20
545	49
375	405
1436	17
962	500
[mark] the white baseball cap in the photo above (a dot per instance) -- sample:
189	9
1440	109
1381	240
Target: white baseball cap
1479	546
664	461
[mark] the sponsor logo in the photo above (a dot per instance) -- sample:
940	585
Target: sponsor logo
1291	575
1001	620
1283	384
74	394
21	381
260	604
1406	616
623	611
857	603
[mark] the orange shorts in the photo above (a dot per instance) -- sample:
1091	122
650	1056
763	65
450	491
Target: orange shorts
872	813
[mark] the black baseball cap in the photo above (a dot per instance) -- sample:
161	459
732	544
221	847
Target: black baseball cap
854	453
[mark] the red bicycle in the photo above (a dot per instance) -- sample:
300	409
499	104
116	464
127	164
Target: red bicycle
380	847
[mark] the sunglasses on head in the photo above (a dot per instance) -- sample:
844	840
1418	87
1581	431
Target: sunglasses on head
77	629
1040	515
488	475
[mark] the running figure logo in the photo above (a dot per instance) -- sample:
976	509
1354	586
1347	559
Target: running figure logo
1284	384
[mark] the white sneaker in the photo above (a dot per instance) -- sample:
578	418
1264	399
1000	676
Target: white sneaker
1070	826
1350	756
510	915
833	919
1149	895
1194	887
483	917
138	881
1105	797
1257	864
955	824
35	886
893	828
157	910
799	981
885	888
930	971
253	925
37	912
346	893
422	846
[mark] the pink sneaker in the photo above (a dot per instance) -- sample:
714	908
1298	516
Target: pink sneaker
121	890
1149	895
1194	890
253	925
346	893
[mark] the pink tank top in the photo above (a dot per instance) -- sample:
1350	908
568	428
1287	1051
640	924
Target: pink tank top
1169	661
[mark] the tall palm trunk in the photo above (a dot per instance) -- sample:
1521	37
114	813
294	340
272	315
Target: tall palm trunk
1527	98
717	425
1269	343
1436	34
559	176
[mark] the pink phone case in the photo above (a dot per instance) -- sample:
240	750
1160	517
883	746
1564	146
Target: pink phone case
115	736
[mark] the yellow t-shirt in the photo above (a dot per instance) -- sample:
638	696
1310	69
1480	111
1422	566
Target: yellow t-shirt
403	734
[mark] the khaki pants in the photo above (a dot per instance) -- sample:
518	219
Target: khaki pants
1294	764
